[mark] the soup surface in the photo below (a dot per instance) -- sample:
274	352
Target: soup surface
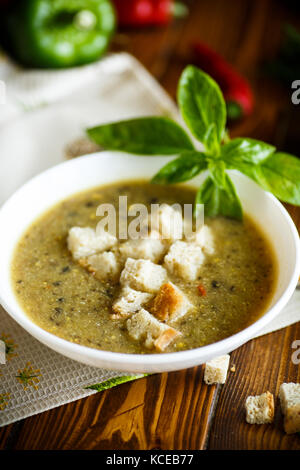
233	288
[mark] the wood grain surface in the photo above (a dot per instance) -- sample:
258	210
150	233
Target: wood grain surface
177	410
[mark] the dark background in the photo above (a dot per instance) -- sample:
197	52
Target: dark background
248	34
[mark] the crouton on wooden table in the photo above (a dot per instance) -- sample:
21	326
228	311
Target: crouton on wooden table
143	326
170	303
260	408
216	370
289	395
143	275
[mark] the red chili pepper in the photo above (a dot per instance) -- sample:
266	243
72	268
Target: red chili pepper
236	89
201	290
147	12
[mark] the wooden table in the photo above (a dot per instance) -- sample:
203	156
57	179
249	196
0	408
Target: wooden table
177	410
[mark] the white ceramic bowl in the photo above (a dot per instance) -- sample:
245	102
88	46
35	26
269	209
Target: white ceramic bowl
56	184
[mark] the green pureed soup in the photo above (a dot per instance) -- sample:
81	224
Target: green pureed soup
232	289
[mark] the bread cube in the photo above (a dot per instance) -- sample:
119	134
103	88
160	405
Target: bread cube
151	248
104	265
184	260
144	327
289	395
143	275
170	303
260	408
84	242
167	221
129	302
204	238
216	370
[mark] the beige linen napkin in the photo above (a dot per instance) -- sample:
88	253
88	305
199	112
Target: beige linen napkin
47	110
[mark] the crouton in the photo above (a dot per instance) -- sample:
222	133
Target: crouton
204	238
216	370
151	248
289	395
129	302
260	408
184	260
167	221
104	265
166	338
170	303
144	327
84	242
143	275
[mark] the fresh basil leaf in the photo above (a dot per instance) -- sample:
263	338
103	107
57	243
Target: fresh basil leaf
217	172
278	174
202	107
183	168
144	136
208	196
247	150
219	201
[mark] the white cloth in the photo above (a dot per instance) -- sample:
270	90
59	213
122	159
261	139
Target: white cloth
45	111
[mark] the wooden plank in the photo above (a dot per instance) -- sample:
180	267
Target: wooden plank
261	365
209	25
165	411
5	433
153	46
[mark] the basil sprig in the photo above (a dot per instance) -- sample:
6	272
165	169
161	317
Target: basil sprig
203	110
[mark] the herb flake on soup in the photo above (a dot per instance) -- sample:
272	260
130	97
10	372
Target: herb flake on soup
178	307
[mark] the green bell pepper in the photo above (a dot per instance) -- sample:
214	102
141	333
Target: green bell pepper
58	33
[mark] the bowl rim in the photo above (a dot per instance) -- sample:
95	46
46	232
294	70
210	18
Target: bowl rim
152	359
